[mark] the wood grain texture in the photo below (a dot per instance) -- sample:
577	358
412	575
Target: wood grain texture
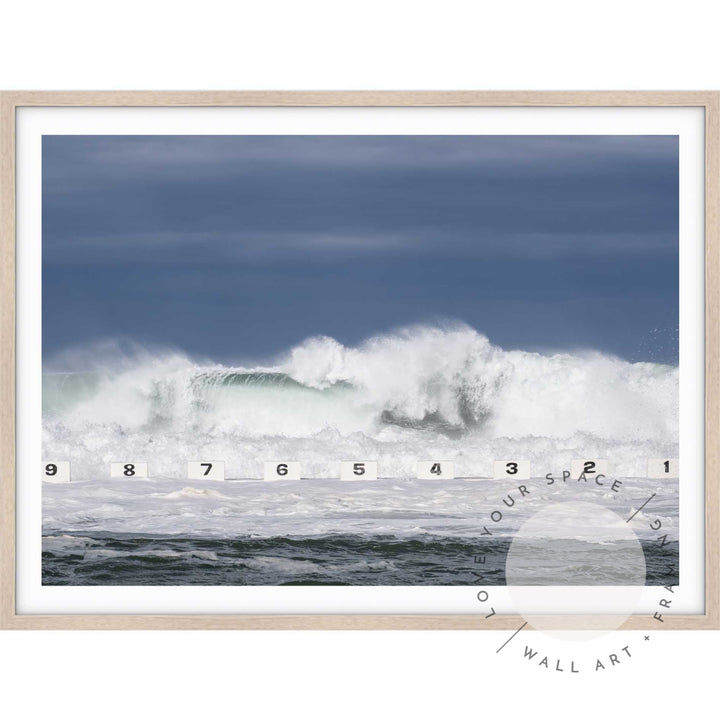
9	101
342	622
7	361
712	361
360	98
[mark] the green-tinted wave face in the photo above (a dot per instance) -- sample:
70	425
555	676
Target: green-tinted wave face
255	379
196	398
61	391
270	380
429	383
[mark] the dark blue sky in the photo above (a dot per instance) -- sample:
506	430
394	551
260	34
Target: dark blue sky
240	247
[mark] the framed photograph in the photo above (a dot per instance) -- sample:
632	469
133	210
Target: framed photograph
360	360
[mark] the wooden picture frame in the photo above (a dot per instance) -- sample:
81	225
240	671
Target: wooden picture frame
10	102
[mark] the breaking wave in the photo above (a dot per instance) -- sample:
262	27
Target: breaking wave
399	397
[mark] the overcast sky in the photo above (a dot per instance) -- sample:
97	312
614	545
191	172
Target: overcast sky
240	247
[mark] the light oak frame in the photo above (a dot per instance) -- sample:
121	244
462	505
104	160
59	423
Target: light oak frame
11	101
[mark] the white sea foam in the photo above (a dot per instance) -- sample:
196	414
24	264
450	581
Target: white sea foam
452	508
420	393
190	492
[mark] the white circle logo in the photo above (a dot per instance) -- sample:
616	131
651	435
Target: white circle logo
575	558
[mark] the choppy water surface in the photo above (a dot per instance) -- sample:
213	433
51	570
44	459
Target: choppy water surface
388	532
422	393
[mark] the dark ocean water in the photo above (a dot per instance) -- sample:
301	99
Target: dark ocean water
98	559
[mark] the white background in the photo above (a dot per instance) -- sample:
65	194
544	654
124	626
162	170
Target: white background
349	45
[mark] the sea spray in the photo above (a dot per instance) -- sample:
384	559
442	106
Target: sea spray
413	394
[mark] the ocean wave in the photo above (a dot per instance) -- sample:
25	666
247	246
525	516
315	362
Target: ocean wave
420	392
